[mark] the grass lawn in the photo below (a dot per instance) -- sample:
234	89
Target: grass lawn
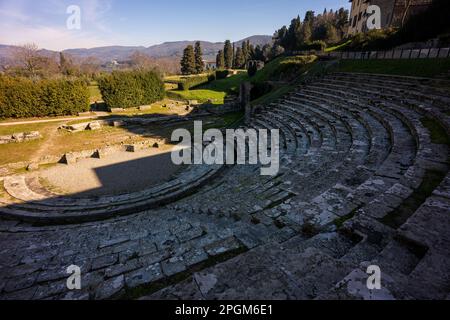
283	68
94	92
227	85
18	152
86	140
201	95
339	46
415	67
41	127
278	68
273	95
216	90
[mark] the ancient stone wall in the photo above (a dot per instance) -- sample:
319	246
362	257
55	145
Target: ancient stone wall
20	137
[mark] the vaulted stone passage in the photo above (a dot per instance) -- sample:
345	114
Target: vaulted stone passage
363	181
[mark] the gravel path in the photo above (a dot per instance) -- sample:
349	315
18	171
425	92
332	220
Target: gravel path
15	123
119	173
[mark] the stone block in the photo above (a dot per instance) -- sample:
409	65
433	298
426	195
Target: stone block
18	137
222	246
69	158
107	151
145	108
118	123
5	139
131	148
110	287
76	127
143	276
94	126
33	167
173	266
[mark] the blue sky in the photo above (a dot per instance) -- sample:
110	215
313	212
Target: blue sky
140	22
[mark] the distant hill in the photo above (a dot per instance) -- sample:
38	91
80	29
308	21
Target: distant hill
167	49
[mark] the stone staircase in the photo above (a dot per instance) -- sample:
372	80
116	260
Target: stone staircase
364	180
388	156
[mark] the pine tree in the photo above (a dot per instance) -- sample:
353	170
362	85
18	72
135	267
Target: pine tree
220	60
306	33
251	51
266	52
199	64
245	51
309	18
239	60
228	52
294	36
188	61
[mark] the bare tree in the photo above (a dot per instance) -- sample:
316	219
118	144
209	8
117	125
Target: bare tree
141	61
90	66
27	57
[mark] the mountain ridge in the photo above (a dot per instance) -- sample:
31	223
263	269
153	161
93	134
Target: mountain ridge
170	49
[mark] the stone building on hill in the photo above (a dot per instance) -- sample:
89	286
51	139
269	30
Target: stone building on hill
394	13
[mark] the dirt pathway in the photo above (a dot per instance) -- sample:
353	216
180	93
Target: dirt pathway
48	136
15	123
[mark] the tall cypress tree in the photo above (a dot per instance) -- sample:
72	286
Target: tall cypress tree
246	51
188	61
199	64
228	52
220	60
239	60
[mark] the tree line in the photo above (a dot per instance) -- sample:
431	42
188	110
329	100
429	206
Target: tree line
315	32
229	57
324	29
235	58
30	62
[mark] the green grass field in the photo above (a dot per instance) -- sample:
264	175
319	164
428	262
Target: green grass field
94	92
415	67
284	68
228	85
339	46
200	95
216	90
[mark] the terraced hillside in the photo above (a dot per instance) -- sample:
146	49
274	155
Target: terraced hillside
364	180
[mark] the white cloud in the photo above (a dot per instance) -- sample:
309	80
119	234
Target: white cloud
49	38
13	14
18	27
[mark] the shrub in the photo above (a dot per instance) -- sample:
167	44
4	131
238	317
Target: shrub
317	45
192	82
259	89
372	40
126	89
252	69
222	74
20	97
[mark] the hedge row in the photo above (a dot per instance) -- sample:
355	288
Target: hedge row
127	89
317	45
23	98
191	82
222	74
